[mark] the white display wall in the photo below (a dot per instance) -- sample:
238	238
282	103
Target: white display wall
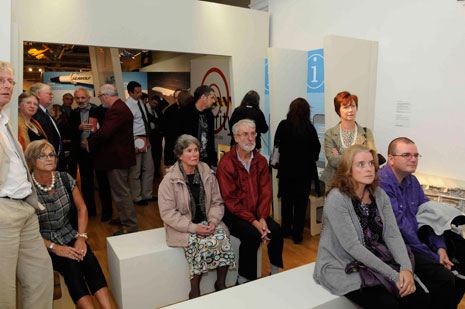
420	65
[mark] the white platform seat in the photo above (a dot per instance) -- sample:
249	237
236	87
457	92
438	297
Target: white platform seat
294	288
146	273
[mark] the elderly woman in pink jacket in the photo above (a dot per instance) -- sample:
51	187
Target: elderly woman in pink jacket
191	208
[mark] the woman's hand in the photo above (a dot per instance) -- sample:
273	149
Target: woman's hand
203	230
212	227
66	252
406	284
80	246
334	151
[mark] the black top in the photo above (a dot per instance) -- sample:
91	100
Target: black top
370	220
298	152
170	127
189	124
251	113
195	190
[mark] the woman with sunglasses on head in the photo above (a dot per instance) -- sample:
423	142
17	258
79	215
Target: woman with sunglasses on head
63	226
361	253
343	135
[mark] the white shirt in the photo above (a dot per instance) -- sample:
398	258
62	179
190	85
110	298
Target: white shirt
17	185
139	127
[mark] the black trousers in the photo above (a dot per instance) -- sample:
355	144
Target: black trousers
440	281
294	201
104	193
77	274
86	169
156	140
250	242
378	297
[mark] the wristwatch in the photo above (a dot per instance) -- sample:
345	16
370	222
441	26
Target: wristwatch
50	248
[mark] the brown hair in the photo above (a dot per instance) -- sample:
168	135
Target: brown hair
33	151
299	112
25	95
343	179
344	98
393	144
185	98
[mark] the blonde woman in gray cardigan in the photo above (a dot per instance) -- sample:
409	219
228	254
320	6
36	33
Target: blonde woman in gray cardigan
343	135
191	208
360	243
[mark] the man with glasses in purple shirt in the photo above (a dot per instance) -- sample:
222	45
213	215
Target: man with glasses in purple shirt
432	263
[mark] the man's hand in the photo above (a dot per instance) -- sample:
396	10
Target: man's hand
85	127
406	284
444	258
262	228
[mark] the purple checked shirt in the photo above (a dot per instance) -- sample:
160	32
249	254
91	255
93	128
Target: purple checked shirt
405	201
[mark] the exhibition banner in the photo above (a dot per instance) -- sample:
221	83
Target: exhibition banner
267	143
316	96
67	82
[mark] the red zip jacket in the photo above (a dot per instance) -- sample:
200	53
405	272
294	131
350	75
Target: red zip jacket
247	195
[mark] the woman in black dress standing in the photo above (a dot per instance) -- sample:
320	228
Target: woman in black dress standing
299	148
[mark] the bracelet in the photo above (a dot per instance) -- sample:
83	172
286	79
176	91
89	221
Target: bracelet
83	235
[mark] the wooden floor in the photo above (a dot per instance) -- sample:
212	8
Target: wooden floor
149	218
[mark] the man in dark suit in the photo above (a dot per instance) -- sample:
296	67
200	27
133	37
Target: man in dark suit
155	107
84	121
113	145
44	93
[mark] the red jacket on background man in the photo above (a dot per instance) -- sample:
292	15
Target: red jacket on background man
246	195
113	143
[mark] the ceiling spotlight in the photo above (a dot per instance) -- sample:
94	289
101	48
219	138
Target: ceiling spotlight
30	69
40	70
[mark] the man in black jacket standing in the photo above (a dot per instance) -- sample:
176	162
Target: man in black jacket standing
197	120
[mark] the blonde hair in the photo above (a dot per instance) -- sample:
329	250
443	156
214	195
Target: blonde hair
343	179
33	151
7	67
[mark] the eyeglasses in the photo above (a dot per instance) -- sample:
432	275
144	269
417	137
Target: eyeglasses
253	134
4	80
409	156
43	156
101	95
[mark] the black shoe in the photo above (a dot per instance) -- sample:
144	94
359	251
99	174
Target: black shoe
153	199
297	240
105	217
115	221
141	203
120	232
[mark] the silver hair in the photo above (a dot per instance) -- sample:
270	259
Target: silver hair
37	87
7	67
244	122
109	90
183	142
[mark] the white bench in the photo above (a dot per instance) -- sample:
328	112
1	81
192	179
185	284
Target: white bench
146	273
294	288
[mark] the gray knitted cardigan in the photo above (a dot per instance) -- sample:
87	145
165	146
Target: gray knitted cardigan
342	241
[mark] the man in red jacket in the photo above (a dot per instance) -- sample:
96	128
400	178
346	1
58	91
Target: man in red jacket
245	185
114	150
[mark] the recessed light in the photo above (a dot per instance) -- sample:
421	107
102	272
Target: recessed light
30	69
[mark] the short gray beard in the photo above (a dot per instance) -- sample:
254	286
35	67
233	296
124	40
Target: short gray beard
247	148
